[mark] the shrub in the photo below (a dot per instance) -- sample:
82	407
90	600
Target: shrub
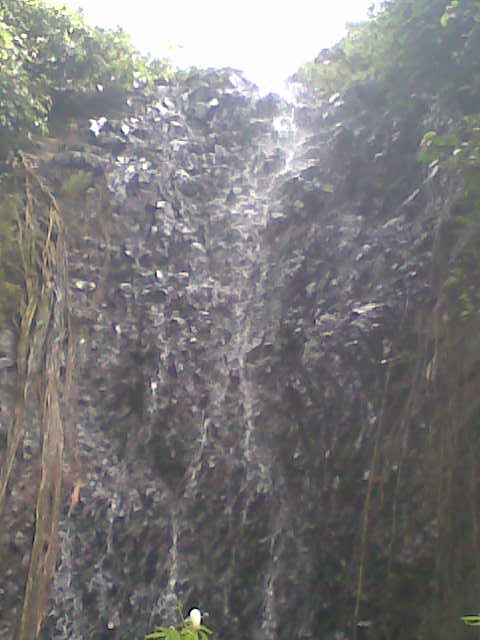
188	629
47	52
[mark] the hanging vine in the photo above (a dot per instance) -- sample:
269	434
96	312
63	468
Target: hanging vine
43	340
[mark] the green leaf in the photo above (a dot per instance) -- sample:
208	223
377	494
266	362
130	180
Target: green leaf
444	142
428	137
188	633
172	634
450	282
473	621
160	632
425	156
205	629
445	19
5	39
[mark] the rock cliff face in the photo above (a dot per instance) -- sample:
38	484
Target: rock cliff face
265	417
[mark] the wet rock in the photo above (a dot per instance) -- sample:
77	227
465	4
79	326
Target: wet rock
234	293
80	160
7	348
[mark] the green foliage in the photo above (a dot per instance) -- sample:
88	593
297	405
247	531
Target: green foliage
462	284
459	152
48	51
183	631
429	50
434	147
409	44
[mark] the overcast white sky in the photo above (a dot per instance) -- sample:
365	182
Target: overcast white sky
267	39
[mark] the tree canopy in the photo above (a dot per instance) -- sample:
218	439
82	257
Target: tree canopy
49	52
407	45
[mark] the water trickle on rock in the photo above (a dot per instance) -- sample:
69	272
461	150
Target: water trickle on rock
229	294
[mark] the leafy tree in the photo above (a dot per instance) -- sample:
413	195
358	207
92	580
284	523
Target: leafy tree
408	44
49	52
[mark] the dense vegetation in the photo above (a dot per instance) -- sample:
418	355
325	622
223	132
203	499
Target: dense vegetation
49	55
418	62
408	46
410	55
53	67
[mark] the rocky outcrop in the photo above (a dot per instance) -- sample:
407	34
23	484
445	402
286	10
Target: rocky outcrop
253	295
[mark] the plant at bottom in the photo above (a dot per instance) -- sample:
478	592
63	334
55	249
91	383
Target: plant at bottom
191	628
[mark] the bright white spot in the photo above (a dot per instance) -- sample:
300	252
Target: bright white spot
267	40
195	618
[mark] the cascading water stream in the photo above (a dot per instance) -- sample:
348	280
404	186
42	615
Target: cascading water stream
188	469
237	267
247	274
